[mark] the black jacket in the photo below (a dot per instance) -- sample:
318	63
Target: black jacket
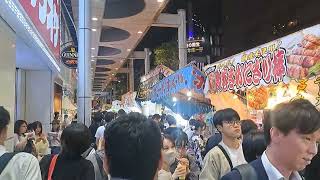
256	164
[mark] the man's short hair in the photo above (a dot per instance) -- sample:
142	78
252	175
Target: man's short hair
228	114
171	120
133	147
298	114
248	125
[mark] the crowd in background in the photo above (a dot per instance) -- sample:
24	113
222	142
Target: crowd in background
132	146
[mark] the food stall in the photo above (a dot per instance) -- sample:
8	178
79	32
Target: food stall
260	78
146	84
182	92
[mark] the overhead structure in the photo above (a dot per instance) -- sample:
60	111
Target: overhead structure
117	28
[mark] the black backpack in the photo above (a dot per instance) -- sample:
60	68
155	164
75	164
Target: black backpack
246	171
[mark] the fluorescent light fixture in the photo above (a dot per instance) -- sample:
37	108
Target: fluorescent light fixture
92	60
24	22
93	48
139	32
174	99
160	1
189	93
94	30
92	56
94	19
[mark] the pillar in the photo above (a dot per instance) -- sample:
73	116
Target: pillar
147	61
131	75
182	39
84	63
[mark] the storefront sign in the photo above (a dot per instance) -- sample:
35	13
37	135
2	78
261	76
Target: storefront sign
296	56
45	16
69	56
151	79
186	78
195	46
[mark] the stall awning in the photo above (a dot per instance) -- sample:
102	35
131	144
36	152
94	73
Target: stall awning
182	92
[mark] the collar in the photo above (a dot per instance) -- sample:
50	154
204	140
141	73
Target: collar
2	150
273	172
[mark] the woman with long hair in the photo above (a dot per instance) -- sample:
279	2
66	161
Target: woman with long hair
41	142
21	136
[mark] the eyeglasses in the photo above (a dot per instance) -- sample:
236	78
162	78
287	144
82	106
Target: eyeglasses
232	123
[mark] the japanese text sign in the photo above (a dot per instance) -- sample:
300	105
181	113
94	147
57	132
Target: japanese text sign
186	78
296	56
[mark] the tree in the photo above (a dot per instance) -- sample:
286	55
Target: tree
167	54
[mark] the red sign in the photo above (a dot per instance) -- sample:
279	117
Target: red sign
45	16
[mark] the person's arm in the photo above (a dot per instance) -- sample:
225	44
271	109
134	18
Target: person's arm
33	170
19	143
194	169
98	135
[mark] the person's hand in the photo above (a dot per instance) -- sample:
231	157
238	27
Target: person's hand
182	169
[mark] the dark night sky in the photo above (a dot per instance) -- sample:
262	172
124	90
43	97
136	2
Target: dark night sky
243	24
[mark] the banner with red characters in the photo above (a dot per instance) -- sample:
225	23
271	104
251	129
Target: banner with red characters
296	56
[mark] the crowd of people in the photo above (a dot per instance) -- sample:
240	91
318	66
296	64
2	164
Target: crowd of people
135	147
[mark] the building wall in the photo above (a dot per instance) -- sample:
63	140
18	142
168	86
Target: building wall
39	97
7	75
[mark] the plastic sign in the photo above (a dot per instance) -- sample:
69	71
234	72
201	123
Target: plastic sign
293	57
45	16
69	56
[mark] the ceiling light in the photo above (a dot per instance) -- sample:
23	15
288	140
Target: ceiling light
92	60
189	93
160	1
139	32
128	49
92	56
117	68
112	74
94	19
94	30
93	48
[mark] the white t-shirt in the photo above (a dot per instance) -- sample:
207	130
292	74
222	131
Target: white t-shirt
236	155
22	166
100	132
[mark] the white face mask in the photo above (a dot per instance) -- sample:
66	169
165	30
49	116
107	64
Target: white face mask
170	156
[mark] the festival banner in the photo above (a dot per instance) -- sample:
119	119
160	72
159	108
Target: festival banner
293	57
187	78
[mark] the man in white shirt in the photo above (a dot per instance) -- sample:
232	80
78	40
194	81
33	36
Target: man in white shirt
292	132
228	154
22	166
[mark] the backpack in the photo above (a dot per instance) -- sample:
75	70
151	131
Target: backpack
4	160
247	172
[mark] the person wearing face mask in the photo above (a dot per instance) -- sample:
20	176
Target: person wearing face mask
176	160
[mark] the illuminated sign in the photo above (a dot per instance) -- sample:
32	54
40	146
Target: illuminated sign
69	56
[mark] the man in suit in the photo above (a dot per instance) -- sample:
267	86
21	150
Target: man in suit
292	132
